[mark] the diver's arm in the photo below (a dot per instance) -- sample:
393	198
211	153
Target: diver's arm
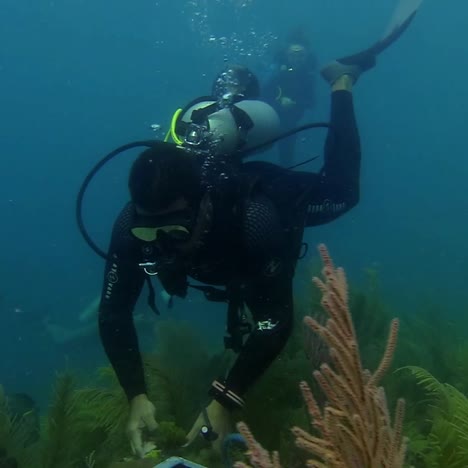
267	292
271	304
123	281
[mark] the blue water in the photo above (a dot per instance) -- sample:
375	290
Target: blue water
79	77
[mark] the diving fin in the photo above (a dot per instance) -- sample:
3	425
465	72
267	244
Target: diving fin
356	64
402	16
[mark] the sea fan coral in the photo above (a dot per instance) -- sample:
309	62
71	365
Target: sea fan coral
354	428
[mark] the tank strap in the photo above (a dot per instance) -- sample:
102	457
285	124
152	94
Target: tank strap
200	116
151	296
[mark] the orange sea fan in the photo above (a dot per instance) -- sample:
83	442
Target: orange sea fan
354	428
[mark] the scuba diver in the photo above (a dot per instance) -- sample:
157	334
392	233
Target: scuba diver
290	90
236	228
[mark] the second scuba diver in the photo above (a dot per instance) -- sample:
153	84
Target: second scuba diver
291	89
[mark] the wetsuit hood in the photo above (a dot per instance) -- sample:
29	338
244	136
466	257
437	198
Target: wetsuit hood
161	175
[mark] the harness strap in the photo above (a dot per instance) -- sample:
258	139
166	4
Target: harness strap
199	116
151	296
242	119
237	325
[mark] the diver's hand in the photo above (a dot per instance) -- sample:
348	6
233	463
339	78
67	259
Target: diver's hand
287	102
220	420
141	416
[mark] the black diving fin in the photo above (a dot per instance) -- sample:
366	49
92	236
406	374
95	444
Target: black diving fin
402	17
355	64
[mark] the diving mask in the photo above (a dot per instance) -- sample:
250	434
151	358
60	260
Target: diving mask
151	234
171	236
296	56
164	236
175	226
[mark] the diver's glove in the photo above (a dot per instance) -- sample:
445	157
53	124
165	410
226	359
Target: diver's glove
353	65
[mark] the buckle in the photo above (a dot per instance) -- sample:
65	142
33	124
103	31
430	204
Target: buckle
206	430
150	268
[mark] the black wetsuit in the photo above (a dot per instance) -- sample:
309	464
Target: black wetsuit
257	248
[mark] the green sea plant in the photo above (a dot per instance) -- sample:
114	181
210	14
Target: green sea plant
14	438
86	426
186	368
170	436
305	351
59	447
101	416
447	419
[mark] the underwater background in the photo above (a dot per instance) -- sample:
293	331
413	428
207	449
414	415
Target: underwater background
79	78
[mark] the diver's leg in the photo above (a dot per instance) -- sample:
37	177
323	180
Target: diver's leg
335	189
342	146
